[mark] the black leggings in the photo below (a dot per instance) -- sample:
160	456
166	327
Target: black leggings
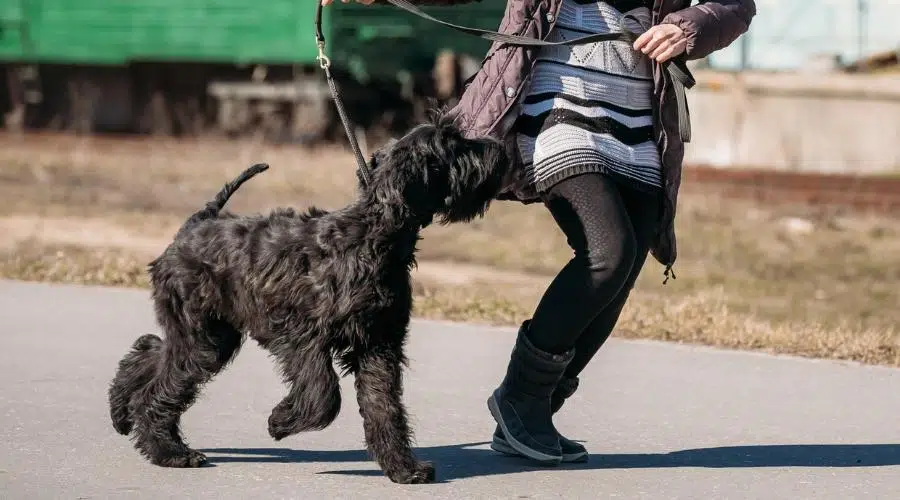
610	227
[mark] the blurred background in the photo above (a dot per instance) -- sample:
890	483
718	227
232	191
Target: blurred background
120	118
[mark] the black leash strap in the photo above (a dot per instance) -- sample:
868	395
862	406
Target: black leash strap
624	35
325	64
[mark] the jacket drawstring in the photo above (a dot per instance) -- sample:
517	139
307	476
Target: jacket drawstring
669	271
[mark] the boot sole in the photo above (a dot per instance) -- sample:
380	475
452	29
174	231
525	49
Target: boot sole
501	446
535	455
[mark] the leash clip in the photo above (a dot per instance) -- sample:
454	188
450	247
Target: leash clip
324	61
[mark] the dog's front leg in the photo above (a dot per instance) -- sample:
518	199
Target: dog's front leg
379	391
314	399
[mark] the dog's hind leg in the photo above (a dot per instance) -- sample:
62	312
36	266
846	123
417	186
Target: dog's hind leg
186	363
379	391
133	373
314	398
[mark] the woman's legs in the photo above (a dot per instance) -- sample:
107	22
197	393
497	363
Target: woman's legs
591	211
609	229
643	211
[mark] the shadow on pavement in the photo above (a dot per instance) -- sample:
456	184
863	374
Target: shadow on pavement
465	460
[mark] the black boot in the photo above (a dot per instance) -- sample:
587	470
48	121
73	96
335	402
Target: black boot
522	405
572	452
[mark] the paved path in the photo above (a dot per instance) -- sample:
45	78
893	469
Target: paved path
663	421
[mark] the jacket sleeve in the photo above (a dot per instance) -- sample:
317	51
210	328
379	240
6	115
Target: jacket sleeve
712	25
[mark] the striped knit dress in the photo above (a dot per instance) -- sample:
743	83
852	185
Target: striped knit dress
588	108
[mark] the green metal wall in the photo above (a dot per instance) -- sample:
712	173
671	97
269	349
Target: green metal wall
383	40
114	32
372	39
12	21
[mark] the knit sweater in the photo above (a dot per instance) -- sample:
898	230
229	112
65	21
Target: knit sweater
588	107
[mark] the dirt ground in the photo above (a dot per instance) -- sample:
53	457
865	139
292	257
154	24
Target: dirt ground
815	282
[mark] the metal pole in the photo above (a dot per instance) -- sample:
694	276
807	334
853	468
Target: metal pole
745	51
861	8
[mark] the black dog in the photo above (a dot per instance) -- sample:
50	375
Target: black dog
311	288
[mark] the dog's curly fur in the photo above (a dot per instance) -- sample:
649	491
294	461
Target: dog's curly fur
312	288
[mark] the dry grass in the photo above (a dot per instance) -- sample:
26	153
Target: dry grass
785	279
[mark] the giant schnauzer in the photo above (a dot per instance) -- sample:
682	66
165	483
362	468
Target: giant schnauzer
313	288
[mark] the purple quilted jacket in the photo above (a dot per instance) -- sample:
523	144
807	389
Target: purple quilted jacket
489	104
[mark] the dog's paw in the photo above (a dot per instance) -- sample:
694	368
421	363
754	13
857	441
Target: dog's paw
147	342
122	423
421	473
280	425
284	421
191	459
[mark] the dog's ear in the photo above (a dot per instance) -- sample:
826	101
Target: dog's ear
379	156
399	178
380	153
474	177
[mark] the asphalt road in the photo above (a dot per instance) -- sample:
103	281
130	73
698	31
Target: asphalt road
662	421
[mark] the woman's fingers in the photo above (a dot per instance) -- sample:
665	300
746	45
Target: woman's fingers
641	40
672	50
660	39
649	40
662	42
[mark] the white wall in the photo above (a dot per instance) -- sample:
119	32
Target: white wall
785	33
784	121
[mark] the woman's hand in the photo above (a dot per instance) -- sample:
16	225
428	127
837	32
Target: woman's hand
662	42
365	2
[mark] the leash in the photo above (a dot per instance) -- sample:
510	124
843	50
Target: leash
325	64
677	68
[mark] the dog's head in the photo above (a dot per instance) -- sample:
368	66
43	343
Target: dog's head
434	171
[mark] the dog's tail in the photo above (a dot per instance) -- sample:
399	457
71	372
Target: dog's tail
135	370
229	189
212	208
